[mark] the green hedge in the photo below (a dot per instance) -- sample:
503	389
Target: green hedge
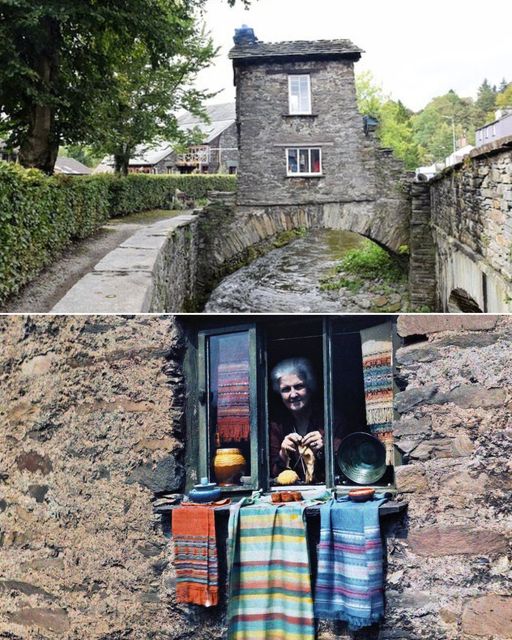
40	216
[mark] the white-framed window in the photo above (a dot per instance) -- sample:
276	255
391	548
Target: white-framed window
299	94
303	161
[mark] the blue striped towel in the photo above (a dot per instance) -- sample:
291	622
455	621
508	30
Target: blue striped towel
349	583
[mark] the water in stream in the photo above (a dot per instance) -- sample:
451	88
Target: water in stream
288	279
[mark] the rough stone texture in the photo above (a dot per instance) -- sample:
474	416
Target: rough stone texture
488	616
472	224
82	555
77	519
451	556
430	324
422	265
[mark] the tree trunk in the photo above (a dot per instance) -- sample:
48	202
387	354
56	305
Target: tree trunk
39	148
121	163
40	145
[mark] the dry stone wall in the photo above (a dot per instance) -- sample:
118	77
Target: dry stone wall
472	226
92	425
449	573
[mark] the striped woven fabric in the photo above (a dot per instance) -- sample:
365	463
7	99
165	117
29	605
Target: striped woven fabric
378	378
270	586
233	416
233	420
193	530
349	583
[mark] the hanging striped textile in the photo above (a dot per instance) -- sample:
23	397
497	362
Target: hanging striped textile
195	548
377	351
233	410
349	583
270	586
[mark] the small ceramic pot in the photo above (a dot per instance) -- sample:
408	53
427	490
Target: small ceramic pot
228	465
205	492
361	495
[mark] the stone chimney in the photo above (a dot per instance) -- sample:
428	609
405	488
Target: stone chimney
244	36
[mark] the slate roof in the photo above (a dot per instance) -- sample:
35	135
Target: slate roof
296	49
221	115
71	167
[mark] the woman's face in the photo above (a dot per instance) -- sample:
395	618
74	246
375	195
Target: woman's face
294	393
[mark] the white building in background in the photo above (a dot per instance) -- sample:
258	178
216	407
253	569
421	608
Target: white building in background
501	127
217	151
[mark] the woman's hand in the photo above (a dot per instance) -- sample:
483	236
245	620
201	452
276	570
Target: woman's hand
314	440
291	443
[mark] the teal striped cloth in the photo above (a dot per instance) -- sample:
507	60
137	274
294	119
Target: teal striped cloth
349	583
270	587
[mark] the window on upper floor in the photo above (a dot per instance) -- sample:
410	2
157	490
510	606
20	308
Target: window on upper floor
258	389
299	94
303	161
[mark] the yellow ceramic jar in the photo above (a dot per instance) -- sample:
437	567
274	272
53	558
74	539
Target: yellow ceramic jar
228	465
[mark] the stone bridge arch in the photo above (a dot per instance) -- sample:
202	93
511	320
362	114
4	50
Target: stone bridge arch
230	236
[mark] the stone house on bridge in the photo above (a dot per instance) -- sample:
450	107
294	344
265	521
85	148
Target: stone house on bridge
304	146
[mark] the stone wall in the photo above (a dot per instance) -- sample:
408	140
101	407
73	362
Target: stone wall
265	128
449	569
472	225
422	264
88	434
93	428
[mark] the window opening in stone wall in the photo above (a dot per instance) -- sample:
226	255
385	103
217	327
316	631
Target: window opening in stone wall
303	161
296	404
253	427
299	94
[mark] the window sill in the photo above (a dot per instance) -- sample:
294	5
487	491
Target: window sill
390	508
305	175
299	115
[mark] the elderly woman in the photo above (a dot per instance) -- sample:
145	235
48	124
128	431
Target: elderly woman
297	439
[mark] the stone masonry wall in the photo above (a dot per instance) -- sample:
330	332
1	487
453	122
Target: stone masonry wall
472	224
92	428
449	562
422	265
336	126
88	436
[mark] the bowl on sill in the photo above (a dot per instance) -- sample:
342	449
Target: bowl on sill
361	495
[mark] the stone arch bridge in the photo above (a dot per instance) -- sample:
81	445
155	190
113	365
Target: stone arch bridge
458	227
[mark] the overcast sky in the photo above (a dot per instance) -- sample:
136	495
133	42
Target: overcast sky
416	50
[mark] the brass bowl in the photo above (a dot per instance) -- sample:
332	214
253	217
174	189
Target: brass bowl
362	458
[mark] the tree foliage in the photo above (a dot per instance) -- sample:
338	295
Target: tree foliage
141	104
504	98
395	127
428	136
58	60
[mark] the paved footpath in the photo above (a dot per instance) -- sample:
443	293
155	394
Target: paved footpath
122	281
82	258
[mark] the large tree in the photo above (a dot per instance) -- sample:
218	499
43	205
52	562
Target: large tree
141	104
58	57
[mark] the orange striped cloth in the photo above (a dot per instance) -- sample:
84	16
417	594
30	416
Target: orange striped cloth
193	530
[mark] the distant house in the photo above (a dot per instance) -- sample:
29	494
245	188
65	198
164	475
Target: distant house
499	128
65	166
217	153
71	167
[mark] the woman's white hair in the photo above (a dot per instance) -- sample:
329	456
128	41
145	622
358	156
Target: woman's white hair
301	367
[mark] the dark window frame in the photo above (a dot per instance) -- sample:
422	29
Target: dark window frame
199	456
